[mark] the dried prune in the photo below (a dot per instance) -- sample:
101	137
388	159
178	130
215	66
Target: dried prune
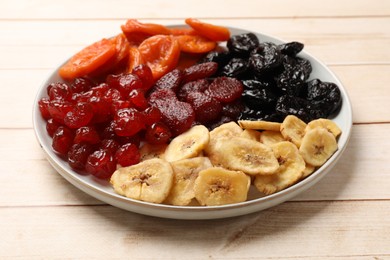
290	105
292	79
236	68
259	98
265	58
324	92
220	57
267	115
291	48
241	45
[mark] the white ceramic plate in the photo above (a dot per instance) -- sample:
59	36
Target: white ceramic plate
103	191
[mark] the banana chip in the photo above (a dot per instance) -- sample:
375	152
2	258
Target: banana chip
218	186
293	129
259	125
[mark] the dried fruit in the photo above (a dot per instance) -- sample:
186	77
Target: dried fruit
225	89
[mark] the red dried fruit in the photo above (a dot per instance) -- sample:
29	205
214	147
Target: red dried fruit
78	155
62	140
128	122
158	133
151	115
101	164
127	154
110	145
119	104
145	74
206	108
51	127
124	82
100	90
86	134
171	81
101	109
225	89
137	98
177	115
108	131
43	105
233	109
58	110
59	91
80	115
111	95
200	71
198	85
80	85
162	94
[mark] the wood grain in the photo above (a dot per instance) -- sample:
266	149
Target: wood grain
342	217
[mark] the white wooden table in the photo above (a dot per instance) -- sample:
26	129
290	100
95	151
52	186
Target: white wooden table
344	216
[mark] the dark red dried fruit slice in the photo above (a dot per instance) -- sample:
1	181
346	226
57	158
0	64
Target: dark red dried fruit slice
198	85
162	94
110	145
177	115
225	89
200	71
233	109
206	108
171	81
101	164
51	127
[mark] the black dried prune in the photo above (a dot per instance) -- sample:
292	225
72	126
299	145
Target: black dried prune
258	96
292	79
291	48
220	57
236	68
241	45
325	92
266	115
265	58
290	105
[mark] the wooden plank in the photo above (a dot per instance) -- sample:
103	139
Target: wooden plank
359	175
44	44
309	230
368	94
89	9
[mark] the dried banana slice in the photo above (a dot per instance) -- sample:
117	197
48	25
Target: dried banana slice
150	180
217	135
219	186
245	155
309	169
317	146
149	151
185	173
293	129
259	125
188	144
291	166
271	137
328	124
251	134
